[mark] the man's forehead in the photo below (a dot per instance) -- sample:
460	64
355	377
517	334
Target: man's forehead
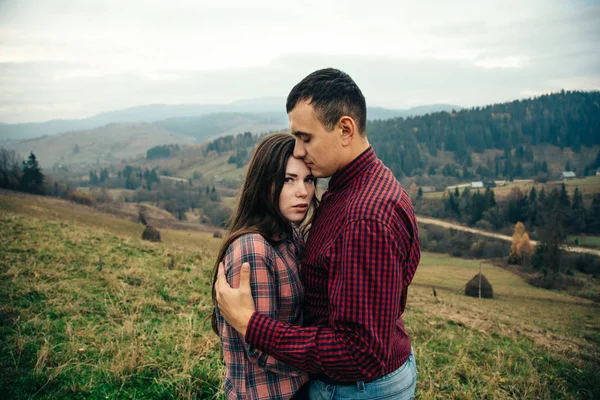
302	109
302	119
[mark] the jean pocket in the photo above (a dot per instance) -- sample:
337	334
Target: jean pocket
401	385
321	391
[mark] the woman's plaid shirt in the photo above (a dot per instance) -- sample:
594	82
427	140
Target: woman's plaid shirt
278	293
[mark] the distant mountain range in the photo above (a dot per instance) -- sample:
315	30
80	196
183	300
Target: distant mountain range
202	121
106	145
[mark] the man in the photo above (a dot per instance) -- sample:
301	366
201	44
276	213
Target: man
360	257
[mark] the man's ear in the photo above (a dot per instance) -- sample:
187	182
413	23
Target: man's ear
348	130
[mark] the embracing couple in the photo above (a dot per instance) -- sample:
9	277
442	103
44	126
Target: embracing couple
320	319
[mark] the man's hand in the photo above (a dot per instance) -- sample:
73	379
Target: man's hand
235	305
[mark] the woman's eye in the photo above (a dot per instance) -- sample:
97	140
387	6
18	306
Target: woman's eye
287	180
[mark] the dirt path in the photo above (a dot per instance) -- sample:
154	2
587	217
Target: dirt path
446	224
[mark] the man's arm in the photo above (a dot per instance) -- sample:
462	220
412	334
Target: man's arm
365	284
254	249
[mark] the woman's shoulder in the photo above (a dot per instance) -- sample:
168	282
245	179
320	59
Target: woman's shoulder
253	243
250	238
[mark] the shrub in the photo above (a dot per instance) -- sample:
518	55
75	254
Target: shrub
102	195
142	218
483	225
217	214
496	249
541	178
586	263
81	198
477	249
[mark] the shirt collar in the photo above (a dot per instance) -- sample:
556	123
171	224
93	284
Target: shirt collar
352	171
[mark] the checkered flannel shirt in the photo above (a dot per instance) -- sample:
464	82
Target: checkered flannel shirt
361	255
278	294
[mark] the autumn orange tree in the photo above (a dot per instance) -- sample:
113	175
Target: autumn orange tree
521	249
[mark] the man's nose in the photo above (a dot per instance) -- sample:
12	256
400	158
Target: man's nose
299	151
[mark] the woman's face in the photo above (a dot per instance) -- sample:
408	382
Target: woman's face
297	191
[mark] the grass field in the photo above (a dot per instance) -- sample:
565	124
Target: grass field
585	241
215	167
88	310
589	186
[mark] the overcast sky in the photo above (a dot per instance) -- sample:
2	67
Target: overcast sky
77	58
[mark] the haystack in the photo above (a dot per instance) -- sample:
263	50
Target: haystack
472	288
151	234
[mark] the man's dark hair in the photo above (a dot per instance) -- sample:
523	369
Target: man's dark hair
333	94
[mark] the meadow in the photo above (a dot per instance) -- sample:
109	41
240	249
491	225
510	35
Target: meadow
89	310
589	186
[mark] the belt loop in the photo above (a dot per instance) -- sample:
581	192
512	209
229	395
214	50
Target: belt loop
360	386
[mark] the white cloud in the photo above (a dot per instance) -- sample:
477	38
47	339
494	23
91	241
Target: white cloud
504	62
73	59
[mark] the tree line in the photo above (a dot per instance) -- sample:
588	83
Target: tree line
175	197
410	146
17	174
532	208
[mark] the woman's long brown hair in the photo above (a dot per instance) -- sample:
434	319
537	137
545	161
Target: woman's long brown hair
258	208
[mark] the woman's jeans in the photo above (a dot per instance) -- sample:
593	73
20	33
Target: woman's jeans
399	385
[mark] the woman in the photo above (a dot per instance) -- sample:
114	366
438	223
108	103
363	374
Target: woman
277	194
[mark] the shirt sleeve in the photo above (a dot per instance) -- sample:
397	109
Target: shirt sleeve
254	250
365	285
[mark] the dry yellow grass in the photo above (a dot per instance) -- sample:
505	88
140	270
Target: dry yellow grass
88	310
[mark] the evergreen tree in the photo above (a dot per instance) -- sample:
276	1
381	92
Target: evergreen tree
593	222
532	207
565	203
568	166
477	207
490	198
103	175
578	214
93	178
552	232
451	205
32	179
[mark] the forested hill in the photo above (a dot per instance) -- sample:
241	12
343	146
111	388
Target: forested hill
507	133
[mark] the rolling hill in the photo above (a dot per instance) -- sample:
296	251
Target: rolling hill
89	310
108	144
265	107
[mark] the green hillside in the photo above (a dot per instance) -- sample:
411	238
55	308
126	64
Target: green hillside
101	146
88	310
565	120
521	139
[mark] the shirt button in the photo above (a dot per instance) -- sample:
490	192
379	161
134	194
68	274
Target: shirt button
262	361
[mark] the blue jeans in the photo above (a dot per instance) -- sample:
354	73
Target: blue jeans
398	385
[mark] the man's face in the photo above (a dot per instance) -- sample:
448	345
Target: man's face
314	144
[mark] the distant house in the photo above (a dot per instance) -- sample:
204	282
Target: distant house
567	175
428	189
477	185
598	172
500	183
